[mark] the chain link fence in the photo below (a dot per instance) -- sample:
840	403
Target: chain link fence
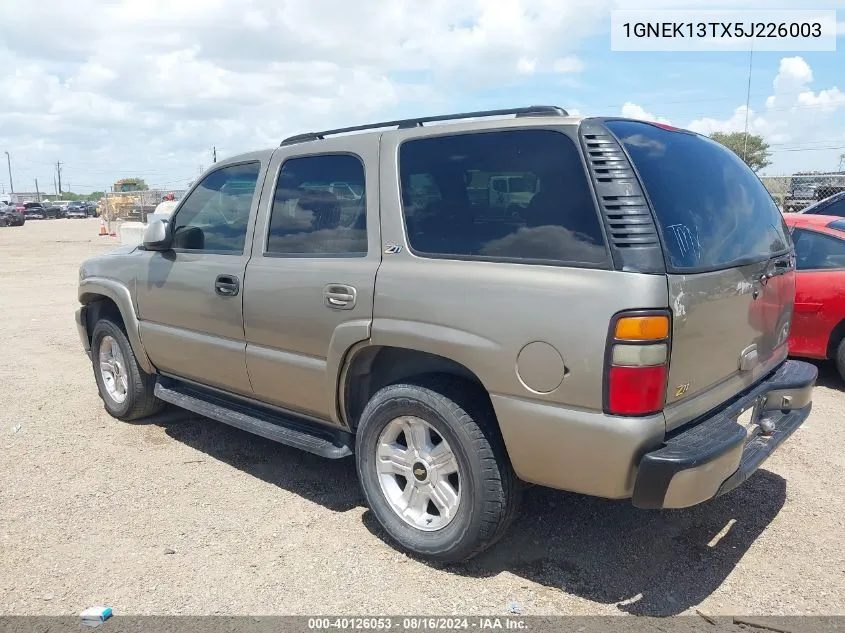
798	191
133	205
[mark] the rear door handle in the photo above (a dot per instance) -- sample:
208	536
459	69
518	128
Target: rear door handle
340	296
227	285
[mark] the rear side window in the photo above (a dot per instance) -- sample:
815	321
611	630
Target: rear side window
713	210
319	209
518	195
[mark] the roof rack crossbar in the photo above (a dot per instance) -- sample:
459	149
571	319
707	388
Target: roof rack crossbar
537	110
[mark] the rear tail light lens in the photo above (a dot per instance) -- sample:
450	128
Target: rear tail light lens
637	364
637	390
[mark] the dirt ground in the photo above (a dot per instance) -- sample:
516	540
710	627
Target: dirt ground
182	515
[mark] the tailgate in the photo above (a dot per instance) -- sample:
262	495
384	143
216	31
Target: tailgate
729	261
729	329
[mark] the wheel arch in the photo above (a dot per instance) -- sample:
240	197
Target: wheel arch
104	297
836	336
369	368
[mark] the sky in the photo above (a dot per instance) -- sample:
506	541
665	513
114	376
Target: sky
146	88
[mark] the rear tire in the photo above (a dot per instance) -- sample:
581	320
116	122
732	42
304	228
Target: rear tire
126	390
840	358
466	494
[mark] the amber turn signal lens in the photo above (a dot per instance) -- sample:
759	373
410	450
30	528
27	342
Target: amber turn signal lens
642	328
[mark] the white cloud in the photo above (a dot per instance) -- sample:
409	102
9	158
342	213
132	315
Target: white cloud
795	115
569	64
734	123
154	83
526	66
634	111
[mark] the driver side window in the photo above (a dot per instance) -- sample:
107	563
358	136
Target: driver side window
215	216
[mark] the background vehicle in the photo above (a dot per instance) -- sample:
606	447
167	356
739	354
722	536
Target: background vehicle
34	211
807	189
53	211
818	328
76	211
592	344
832	205
12	215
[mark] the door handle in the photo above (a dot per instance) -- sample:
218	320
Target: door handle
227	285
340	296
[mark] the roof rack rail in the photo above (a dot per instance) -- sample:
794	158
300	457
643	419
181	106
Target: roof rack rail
537	110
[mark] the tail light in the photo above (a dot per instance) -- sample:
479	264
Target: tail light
637	363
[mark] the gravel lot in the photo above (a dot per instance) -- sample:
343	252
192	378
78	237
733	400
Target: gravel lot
181	515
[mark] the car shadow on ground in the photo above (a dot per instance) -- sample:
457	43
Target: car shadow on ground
656	563
828	375
331	483
646	562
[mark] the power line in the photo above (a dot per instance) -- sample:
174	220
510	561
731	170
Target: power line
807	149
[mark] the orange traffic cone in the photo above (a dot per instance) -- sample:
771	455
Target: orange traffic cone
103	230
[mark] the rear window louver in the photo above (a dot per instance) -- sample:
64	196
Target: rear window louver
626	212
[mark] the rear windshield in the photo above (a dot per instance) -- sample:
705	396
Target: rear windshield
713	210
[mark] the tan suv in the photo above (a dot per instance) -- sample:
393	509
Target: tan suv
618	329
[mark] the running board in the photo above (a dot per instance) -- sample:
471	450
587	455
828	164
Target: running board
285	429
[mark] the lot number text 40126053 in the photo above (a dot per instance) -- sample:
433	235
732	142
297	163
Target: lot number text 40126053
417	623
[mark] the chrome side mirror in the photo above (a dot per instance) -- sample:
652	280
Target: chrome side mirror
158	236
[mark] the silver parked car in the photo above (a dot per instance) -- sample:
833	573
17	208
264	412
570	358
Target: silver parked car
617	329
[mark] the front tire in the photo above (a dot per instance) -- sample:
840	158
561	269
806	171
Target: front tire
126	390
840	358
434	469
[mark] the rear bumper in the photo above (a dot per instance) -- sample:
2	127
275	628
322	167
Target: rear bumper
715	455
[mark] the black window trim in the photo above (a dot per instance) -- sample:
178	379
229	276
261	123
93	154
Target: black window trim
272	202
606	265
802	230
172	220
671	269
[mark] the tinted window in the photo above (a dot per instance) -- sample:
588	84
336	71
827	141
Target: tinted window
814	251
319	207
517	195
214	217
713	210
835	208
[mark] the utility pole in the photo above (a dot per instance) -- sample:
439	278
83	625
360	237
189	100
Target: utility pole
59	172
55	188
9	163
748	101
37	192
214	153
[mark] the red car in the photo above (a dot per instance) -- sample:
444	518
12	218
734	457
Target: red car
818	325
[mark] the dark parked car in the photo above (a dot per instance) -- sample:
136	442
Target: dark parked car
832	205
10	215
34	211
54	211
76	210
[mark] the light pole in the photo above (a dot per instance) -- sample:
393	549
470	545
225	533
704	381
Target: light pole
9	163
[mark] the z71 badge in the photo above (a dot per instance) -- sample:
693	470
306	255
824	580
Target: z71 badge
681	390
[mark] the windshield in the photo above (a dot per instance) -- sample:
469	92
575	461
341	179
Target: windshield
712	209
